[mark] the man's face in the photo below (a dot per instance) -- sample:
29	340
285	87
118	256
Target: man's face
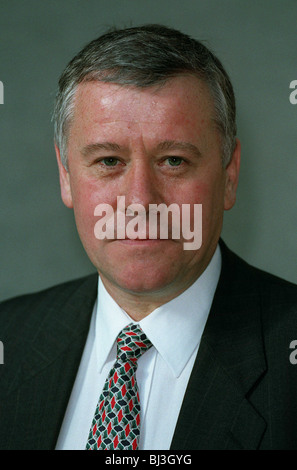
152	145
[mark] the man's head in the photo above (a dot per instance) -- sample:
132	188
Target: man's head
146	56
139	124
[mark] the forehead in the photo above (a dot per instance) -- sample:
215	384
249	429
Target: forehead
181	110
182	96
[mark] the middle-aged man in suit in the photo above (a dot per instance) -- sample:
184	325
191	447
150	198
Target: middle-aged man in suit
149	114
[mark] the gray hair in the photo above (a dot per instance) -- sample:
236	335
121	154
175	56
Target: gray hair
145	56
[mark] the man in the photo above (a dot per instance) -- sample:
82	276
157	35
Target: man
148	114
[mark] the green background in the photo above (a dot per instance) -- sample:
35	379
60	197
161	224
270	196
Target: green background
257	43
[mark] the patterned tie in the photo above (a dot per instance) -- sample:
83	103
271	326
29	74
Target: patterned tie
116	423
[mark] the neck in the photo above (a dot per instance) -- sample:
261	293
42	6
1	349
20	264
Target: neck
140	305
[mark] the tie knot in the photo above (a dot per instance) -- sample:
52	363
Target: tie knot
132	343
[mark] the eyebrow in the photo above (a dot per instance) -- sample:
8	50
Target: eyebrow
177	145
97	146
161	147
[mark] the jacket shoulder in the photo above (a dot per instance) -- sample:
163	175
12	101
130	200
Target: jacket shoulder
273	297
17	312
255	278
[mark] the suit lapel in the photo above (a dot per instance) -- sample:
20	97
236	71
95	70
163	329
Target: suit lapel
45	378
216	412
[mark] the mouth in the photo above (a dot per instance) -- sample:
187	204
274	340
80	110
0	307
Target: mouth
142	242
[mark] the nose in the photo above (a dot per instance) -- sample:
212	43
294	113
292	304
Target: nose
141	183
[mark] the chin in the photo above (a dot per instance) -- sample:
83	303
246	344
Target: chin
143	286
140	281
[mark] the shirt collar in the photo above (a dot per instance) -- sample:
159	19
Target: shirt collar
175	328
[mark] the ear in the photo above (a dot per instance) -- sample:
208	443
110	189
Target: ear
64	181
232	176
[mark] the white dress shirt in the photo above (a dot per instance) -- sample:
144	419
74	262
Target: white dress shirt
175	330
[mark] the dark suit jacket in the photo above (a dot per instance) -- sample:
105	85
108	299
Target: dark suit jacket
242	393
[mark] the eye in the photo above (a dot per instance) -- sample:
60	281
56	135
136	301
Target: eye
109	161
174	161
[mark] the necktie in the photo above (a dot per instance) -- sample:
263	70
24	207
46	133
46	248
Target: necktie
116	423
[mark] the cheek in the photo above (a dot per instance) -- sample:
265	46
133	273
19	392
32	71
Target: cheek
88	192
86	196
211	196
197	193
